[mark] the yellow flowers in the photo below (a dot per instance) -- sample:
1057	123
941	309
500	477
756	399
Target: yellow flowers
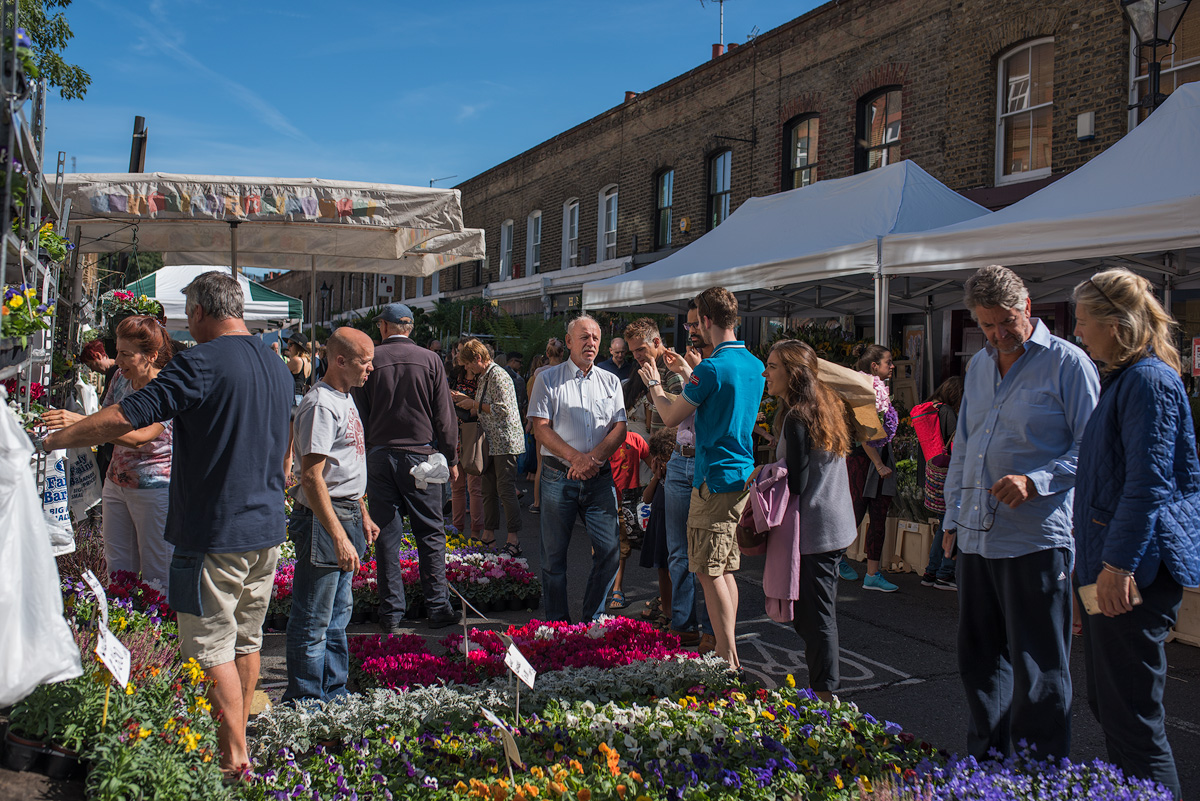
122	623
766	713
130	688
189	739
16	301
790	680
194	672
813	743
143	733
202	704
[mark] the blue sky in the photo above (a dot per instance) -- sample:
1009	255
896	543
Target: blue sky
392	91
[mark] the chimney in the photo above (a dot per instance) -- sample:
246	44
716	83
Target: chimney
732	46
718	50
630	96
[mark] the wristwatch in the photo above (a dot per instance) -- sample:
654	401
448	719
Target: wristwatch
654	382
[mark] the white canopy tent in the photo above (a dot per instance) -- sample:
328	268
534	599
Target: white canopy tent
263	307
310	222
820	233
1138	200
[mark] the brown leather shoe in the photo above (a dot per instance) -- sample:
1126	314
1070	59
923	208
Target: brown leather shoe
686	638
708	644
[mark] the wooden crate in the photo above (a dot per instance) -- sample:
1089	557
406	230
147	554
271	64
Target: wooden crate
1187	625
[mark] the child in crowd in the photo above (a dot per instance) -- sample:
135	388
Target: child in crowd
626	463
654	546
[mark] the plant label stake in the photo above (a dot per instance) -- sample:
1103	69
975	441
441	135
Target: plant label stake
101	598
511	753
467	605
112	652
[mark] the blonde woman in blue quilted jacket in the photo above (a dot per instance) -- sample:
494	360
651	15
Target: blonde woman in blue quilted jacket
1137	516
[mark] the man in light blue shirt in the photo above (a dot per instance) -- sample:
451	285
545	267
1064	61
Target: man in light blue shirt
577	413
1027	398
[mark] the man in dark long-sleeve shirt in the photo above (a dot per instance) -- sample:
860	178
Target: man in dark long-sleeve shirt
408	416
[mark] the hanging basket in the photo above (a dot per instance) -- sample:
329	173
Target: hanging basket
13	351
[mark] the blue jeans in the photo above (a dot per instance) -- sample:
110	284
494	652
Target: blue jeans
318	658
940	566
685	612
563	501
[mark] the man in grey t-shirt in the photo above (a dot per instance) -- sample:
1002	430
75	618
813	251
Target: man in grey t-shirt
329	523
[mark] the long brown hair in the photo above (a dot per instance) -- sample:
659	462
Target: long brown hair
807	397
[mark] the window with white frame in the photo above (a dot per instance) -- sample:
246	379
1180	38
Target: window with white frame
533	242
879	123
606	239
1025	110
570	233
664	194
720	179
800	158
506	249
1180	61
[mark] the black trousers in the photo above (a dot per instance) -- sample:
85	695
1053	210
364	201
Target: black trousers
1014	636
1126	676
392	493
816	618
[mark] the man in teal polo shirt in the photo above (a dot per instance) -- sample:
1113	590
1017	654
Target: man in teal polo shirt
724	390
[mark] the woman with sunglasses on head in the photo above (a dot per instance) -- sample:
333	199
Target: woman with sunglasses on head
139	475
1137	516
813	439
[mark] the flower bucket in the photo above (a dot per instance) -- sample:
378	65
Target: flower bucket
21	754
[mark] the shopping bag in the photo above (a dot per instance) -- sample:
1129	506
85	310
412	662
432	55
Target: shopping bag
36	646
473	453
84	482
56	503
857	391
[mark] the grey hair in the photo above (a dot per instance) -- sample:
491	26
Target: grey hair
581	318
994	287
218	293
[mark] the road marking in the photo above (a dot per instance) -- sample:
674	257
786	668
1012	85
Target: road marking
1186	725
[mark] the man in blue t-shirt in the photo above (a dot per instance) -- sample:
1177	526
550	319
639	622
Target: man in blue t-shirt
230	399
724	390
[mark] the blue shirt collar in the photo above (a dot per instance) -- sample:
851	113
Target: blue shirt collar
1041	337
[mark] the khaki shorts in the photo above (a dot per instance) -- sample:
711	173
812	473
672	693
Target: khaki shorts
235	589
712	521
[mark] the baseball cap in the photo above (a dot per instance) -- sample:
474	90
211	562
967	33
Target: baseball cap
395	313
299	339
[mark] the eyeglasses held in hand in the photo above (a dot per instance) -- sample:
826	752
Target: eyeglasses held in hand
989	519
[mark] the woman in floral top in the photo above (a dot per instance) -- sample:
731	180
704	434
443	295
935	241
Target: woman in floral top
495	402
136	485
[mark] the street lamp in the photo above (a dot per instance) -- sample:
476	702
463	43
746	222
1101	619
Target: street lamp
1154	22
325	291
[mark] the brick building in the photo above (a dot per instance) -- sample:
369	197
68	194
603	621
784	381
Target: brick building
995	99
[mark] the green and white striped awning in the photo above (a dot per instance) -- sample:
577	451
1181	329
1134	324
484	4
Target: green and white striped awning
264	307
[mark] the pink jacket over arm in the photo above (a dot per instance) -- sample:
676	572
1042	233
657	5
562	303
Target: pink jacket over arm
777	511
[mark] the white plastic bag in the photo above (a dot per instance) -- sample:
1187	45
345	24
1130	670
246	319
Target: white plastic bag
36	646
89	401
434	470
85	481
56	503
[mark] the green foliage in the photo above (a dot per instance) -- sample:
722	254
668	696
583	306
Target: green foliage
46	25
830	341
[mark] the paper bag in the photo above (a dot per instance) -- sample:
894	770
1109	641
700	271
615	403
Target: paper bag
858	392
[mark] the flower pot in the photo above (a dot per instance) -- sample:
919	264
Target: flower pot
21	754
62	763
12	351
516	604
532	602
358	616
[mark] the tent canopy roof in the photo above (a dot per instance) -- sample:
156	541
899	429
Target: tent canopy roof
309	216
1142	195
825	230
263	306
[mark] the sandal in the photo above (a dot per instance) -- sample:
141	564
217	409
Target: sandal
653	609
482	544
513	549
618	600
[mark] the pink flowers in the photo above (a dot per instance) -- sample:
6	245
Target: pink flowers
405	660
883	401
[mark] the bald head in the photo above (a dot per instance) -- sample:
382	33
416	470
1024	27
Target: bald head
349	353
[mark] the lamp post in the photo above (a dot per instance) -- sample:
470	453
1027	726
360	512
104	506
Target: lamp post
325	291
1154	23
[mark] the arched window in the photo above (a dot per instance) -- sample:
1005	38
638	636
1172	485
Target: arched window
606	238
879	117
664	194
570	234
720	179
533	241
506	249
800	138
1024	111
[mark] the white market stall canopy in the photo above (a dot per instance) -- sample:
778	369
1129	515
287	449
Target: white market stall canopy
308	217
426	258
1140	196
263	307
826	230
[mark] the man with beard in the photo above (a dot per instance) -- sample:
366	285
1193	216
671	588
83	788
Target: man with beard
1009	491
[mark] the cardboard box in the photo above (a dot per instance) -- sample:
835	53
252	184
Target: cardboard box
1187	625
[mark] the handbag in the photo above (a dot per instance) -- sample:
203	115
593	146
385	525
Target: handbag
935	480
474	456
749	538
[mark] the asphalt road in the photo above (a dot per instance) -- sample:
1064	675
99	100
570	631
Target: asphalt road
897	649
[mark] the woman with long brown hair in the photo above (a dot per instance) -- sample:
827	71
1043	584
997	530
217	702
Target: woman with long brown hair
139	475
813	439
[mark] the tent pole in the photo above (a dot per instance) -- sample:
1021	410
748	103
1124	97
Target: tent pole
1168	282
312	328
928	348
233	265
882	291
